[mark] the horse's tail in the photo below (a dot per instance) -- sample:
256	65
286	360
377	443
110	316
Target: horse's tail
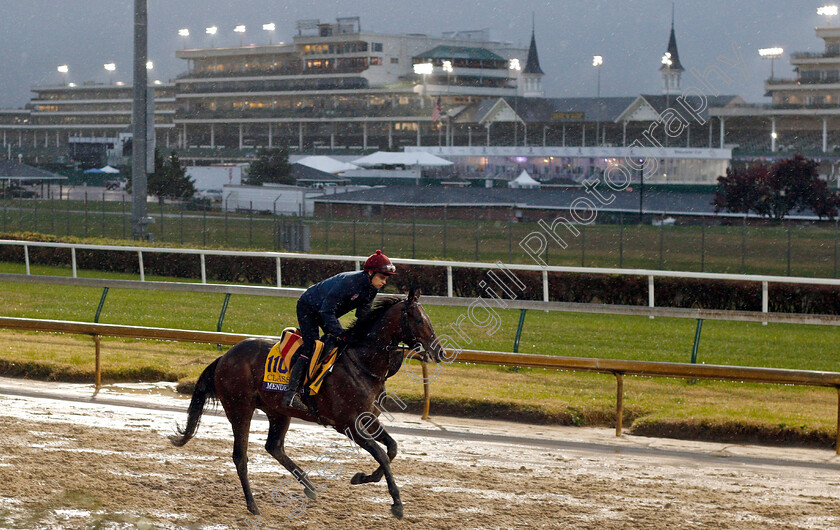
204	388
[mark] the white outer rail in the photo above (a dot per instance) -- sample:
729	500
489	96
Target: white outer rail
764	280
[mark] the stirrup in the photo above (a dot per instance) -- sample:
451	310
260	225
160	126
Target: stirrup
295	403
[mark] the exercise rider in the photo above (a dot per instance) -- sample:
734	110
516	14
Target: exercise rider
322	304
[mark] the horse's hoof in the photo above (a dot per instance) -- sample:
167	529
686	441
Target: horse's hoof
253	509
357	478
397	510
310	493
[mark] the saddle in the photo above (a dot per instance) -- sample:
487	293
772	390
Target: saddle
279	360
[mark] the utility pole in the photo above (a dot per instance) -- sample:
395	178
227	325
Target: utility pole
139	118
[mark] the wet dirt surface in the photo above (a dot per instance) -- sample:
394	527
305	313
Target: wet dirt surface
108	463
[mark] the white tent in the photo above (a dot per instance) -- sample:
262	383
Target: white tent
524	181
413	158
326	164
109	169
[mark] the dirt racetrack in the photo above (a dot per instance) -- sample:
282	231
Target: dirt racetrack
83	464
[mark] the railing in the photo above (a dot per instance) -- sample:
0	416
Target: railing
619	368
357	261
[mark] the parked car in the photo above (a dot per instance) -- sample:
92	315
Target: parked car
115	184
209	195
14	191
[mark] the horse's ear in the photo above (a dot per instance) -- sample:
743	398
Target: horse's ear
413	295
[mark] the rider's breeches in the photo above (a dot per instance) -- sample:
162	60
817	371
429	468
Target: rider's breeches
309	322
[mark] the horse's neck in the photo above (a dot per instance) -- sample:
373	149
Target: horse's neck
382	338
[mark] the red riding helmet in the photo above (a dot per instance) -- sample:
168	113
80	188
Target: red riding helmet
379	262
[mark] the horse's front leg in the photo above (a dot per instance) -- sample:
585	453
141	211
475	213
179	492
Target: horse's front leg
389	443
368	443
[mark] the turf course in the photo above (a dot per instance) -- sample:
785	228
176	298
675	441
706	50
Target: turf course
674	407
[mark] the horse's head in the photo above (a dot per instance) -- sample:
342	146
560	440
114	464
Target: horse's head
416	328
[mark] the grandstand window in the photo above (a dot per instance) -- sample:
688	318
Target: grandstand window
375	60
376	46
395	60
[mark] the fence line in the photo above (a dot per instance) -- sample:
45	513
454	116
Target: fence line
568	307
403	235
764	280
619	368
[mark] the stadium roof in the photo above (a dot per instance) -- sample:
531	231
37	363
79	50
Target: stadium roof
655	201
10	170
460	52
532	66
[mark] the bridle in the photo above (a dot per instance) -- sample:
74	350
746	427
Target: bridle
412	341
405	327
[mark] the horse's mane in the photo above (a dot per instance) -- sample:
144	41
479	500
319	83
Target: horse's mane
361	326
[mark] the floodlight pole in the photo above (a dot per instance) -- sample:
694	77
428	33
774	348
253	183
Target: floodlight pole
139	169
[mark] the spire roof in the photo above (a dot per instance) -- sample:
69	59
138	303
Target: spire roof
532	66
672	49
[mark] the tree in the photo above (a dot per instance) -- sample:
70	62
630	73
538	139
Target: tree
271	165
169	179
789	185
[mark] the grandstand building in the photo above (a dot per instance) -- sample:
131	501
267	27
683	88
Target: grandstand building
337	89
803	115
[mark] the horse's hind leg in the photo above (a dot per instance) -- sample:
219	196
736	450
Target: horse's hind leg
391	445
240	419
274	444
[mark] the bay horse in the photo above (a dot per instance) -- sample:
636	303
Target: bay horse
358	379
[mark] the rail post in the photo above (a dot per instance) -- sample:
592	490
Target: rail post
449	281
545	285
279	273
765	300
203	269
73	260
222	317
26	258
619	402
518	336
140	263
101	304
650	293
426	391
98	368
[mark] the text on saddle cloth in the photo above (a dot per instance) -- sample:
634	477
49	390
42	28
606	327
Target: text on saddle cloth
278	363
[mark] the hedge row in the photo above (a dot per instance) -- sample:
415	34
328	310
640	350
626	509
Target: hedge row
583	288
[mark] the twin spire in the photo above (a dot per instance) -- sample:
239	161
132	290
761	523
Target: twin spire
671	67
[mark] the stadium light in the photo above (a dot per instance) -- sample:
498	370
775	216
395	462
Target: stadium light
514	64
269	27
239	29
772	54
110	68
212	32
184	32
149	65
598	62
423	68
828	12
666	59
447	66
63	69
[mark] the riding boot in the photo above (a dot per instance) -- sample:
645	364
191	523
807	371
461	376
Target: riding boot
291	399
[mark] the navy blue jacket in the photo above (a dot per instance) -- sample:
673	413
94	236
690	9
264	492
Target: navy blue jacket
339	295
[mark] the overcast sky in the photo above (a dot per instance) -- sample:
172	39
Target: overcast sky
38	35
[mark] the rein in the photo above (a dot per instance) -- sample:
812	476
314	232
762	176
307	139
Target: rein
404	327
